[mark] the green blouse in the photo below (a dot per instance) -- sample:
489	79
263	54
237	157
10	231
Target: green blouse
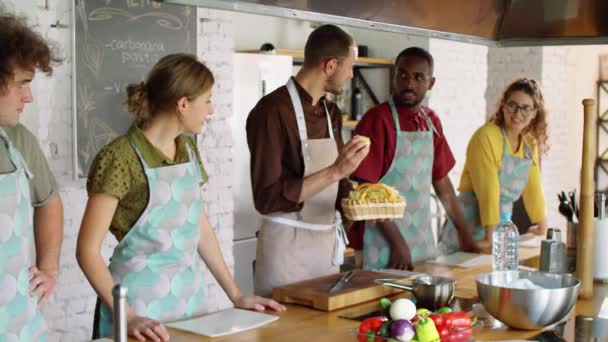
116	171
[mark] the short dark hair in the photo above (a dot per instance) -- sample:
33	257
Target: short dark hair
22	47
416	52
325	42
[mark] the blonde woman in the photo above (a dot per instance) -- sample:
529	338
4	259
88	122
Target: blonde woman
502	164
144	187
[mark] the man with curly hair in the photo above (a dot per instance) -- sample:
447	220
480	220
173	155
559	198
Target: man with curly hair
31	212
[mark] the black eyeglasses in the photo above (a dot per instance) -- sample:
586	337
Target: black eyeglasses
512	107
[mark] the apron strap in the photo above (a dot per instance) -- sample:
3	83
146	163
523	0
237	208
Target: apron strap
527	150
192	159
301	121
139	155
395	113
14	155
329	125
429	123
341	236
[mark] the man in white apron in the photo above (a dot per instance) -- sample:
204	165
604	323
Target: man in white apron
410	153
299	166
30	207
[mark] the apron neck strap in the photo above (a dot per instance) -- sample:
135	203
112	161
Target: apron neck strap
193	160
15	157
139	155
527	150
299	111
395	112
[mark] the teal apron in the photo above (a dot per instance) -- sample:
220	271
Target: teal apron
512	177
158	258
20	319
411	173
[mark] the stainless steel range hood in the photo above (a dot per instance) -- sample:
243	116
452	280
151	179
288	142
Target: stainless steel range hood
488	22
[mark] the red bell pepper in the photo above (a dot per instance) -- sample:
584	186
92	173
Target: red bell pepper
443	333
438	320
457	335
369	328
457	327
457	320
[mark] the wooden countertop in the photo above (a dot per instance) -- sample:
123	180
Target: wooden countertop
300	323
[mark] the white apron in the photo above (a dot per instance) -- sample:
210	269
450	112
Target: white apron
310	243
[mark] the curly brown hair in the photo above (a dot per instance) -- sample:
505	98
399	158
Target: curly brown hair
21	47
537	129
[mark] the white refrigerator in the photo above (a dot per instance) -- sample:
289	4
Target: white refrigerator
255	75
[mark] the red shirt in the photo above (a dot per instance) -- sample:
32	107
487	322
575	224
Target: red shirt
379	126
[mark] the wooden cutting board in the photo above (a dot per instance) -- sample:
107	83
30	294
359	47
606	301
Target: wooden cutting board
315	292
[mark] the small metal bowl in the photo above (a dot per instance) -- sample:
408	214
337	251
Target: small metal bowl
430	292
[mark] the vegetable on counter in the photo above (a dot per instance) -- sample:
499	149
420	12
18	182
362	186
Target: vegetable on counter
403	330
426	330
457	320
406	324
370	327
443	310
403	308
422	312
385	329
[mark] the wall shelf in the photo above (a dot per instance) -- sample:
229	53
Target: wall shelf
298	58
602	127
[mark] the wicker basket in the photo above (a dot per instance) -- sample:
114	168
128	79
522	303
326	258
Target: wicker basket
371	211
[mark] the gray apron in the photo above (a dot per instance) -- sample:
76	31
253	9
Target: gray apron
411	172
306	244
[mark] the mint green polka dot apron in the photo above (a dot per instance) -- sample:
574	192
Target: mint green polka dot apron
20	319
157	259
512	177
411	173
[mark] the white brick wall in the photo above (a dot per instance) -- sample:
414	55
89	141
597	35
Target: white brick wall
458	95
69	313
216	46
561	165
507	64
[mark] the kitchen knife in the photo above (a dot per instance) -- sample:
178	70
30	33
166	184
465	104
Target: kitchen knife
341	283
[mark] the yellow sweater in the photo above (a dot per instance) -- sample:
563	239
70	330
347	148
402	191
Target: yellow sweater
484	156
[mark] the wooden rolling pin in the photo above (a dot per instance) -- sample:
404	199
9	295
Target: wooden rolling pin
584	258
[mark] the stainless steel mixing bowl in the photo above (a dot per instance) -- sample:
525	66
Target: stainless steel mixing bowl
527	309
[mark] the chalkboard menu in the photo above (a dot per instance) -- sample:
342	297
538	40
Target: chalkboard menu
117	43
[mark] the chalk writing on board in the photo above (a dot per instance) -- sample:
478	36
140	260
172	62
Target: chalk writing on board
117	42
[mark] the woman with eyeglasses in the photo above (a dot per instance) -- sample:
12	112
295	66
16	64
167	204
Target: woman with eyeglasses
502	164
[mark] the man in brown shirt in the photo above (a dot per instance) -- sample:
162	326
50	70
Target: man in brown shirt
298	163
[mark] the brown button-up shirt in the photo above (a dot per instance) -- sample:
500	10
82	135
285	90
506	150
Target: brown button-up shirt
277	165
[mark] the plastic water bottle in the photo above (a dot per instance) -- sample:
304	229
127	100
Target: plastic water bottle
505	245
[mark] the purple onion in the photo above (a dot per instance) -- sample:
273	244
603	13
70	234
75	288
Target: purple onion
402	330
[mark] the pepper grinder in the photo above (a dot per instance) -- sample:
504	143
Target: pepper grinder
119	293
553	252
